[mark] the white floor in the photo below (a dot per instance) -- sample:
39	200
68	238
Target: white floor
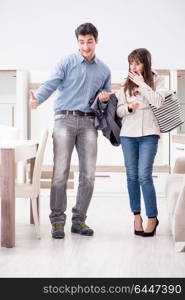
113	251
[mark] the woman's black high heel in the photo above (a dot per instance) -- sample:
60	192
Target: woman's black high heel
138	232
151	233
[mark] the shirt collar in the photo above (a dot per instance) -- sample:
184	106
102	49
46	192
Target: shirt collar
81	58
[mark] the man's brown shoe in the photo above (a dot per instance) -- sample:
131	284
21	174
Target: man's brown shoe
81	228
58	231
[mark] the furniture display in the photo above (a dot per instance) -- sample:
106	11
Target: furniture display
11	152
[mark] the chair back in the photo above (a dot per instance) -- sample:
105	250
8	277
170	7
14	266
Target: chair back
38	163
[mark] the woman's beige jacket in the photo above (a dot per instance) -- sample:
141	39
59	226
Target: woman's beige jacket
141	121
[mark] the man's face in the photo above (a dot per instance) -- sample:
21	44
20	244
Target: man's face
87	45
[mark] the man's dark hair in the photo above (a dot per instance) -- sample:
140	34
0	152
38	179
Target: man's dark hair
86	28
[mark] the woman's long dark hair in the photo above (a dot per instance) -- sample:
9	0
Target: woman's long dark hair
143	56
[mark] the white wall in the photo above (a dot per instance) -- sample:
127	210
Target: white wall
35	34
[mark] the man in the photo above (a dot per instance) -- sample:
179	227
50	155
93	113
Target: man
77	78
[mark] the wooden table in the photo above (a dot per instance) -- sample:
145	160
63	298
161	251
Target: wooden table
11	152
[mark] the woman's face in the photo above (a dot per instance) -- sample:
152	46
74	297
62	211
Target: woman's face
136	66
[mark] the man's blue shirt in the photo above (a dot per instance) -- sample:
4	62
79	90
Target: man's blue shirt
75	81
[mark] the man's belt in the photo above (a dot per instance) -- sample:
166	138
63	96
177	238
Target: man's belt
74	113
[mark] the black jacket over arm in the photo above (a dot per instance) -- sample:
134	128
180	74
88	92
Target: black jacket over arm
107	120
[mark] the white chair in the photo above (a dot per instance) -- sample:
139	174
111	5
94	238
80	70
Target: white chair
9	133
32	190
175	196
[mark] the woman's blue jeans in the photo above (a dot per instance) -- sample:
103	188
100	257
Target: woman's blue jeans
139	154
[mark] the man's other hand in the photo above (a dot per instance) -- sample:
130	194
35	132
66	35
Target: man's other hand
104	96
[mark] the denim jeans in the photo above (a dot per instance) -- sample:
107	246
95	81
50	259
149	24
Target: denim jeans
139	154
69	132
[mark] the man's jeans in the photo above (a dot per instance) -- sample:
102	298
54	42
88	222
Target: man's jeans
139	154
69	132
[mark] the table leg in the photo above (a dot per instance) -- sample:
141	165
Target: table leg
7	198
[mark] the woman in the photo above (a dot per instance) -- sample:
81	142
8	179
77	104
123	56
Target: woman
140	134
